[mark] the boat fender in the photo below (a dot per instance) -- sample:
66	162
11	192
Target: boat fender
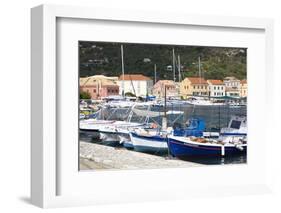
154	125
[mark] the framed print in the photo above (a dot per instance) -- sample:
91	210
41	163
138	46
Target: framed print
146	105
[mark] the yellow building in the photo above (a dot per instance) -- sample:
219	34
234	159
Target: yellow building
194	86
243	88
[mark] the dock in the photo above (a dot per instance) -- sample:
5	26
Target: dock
99	157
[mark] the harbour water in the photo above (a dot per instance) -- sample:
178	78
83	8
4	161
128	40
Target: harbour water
215	117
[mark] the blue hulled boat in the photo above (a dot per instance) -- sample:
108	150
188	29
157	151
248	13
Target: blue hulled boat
180	146
233	140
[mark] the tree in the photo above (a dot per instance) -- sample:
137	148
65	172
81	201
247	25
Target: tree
84	95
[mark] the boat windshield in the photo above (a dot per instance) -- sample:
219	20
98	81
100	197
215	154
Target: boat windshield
235	124
191	124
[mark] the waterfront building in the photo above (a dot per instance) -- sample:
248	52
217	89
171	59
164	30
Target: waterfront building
216	88
136	84
194	86
232	86
243	88
99	86
159	88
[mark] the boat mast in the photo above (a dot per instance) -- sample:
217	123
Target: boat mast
122	60
199	69
155	71
164	119
132	85
174	70
179	67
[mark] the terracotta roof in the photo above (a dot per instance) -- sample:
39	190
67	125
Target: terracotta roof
197	80
215	82
244	81
134	77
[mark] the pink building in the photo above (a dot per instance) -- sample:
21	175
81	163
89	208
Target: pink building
99	86
159	88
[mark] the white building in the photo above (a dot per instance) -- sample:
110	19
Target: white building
137	84
216	88
232	86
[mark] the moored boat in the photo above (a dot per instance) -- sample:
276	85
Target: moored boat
191	146
232	140
150	140
155	140
93	125
110	134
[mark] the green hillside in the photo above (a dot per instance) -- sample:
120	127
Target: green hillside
105	58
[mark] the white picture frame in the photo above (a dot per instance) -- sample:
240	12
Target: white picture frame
46	163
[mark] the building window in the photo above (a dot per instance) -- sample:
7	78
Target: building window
94	90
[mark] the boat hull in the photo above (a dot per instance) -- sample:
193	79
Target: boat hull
150	144
110	139
126	141
178	148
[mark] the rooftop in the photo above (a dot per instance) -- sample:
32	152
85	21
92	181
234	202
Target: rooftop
166	82
244	81
215	82
197	80
230	78
97	79
134	77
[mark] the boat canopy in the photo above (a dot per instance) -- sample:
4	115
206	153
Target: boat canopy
153	114
193	127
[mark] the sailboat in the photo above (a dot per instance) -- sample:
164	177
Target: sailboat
152	140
